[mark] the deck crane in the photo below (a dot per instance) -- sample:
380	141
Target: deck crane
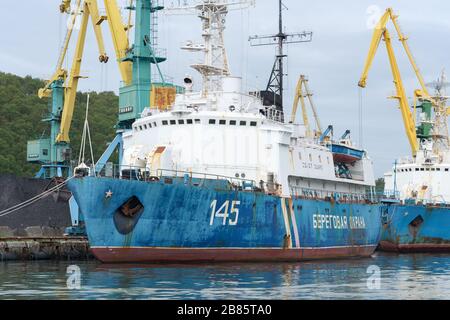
53	153
301	92
381	33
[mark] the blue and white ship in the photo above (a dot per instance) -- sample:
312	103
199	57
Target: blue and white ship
420	220
219	176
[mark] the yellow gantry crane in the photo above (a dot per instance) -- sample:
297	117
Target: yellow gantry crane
381	33
52	152
301	92
88	9
120	38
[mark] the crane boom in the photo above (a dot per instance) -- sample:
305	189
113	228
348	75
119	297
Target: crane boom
90	10
313	106
300	95
408	119
120	40
404	40
60	72
381	33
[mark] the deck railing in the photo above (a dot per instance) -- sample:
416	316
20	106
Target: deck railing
125	172
274	115
307	193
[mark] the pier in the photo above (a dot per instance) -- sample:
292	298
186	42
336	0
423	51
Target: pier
40	244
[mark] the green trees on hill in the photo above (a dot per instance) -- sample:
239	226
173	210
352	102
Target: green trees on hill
21	112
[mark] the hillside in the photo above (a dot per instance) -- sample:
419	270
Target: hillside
20	120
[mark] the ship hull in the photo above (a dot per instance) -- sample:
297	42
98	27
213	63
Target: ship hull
180	222
415	229
165	255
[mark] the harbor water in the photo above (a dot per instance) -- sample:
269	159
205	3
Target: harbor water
384	276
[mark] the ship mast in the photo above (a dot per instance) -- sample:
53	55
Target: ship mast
213	15
275	87
440	125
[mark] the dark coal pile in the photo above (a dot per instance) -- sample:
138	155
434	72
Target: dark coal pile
45	213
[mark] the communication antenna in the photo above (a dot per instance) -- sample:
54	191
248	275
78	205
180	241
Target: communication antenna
213	14
440	85
440	124
275	87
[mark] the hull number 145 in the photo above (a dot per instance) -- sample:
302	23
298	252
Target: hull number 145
228	214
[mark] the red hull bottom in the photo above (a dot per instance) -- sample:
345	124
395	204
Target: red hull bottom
158	255
414	248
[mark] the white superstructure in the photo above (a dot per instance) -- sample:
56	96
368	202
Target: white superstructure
221	130
425	177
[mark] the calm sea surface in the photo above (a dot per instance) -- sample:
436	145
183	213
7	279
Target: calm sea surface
384	276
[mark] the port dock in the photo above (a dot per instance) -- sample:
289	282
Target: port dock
43	247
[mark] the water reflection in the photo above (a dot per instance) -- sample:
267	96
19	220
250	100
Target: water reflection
402	277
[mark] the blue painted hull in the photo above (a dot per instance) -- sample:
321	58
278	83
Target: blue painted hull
415	228
183	222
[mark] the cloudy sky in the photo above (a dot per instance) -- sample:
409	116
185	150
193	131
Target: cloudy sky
33	31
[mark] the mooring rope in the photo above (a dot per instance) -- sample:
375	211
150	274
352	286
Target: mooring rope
33	200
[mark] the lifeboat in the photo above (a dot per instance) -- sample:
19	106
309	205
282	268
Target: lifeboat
344	153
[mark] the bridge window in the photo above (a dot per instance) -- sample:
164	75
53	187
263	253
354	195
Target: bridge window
140	128
154	124
165	123
189	121
253	124
172	122
197	121
145	127
232	122
243	123
180	121
222	122
212	121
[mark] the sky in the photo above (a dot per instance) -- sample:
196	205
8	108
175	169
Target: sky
31	36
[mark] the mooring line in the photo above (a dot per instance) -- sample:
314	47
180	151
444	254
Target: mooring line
33	200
